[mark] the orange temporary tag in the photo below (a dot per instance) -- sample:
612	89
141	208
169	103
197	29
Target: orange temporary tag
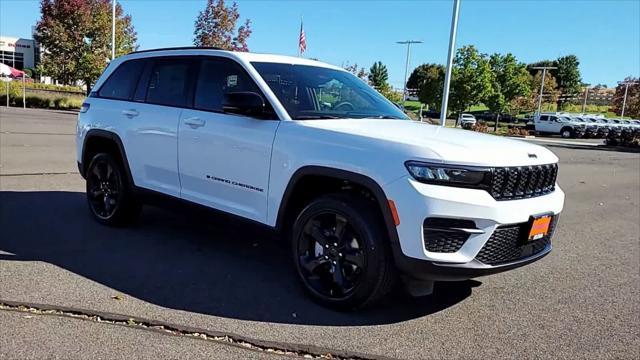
540	227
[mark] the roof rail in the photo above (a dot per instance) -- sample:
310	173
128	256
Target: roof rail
178	48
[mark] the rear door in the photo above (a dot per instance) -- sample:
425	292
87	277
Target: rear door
224	159
152	136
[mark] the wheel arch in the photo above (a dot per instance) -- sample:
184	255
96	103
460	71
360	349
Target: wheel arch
98	140
301	176
566	127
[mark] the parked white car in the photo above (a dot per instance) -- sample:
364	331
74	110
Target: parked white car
363	194
466	120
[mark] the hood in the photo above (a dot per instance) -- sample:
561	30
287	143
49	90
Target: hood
458	146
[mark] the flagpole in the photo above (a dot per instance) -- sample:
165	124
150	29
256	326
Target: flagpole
300	34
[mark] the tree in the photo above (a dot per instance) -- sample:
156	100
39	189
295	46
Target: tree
428	79
378	75
632	107
568	77
511	76
472	78
76	38
551	93
510	79
387	91
531	67
361	73
216	27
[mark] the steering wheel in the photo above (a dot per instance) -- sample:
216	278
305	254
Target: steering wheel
344	106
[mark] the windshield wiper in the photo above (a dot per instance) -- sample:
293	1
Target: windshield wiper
316	117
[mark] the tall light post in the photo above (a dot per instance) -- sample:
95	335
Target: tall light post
586	93
452	48
113	29
406	65
626	90
544	72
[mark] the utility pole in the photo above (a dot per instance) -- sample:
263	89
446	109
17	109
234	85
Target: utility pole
406	65
452	48
113	29
544	72
626	90
584	102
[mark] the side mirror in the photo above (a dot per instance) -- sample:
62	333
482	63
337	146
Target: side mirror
244	103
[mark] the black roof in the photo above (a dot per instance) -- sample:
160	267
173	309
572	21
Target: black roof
179	48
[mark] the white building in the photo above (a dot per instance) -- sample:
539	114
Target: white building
19	53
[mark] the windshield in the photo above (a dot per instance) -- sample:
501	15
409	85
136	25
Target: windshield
312	92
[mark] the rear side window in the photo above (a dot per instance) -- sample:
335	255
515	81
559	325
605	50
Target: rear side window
122	82
219	76
168	83
544	118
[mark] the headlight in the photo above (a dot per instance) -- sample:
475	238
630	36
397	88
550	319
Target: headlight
451	175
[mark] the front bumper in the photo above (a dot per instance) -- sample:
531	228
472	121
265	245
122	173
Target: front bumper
416	201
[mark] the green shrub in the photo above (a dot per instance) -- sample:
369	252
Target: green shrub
41	100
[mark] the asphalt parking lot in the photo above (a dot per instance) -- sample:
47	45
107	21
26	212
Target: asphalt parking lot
225	277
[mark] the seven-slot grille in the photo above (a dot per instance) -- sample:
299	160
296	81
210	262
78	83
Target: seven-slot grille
510	183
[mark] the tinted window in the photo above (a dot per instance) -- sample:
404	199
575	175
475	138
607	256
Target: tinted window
313	92
544	118
168	83
121	84
218	76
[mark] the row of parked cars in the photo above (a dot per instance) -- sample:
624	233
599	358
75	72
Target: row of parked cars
569	125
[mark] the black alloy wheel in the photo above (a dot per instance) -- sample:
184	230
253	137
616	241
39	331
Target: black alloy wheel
104	188
109	196
341	251
331	255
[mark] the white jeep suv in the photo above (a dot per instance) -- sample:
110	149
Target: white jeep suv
363	194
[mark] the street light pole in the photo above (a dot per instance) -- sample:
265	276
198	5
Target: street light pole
406	66
626	90
452	48
544	72
113	29
586	93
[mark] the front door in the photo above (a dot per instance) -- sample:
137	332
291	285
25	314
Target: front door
224	159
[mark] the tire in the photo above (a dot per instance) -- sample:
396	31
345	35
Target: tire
567	133
337	272
109	195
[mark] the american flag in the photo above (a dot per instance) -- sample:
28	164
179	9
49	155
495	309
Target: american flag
302	41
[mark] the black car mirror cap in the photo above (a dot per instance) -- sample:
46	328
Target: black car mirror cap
246	103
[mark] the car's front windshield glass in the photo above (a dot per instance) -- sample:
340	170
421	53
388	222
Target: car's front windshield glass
313	92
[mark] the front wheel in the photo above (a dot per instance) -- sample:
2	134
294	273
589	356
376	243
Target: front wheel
108	193
341	252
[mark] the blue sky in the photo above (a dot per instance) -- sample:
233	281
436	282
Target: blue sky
604	34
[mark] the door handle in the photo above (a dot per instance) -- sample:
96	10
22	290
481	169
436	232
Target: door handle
194	122
130	113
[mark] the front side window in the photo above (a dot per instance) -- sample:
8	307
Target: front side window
312	92
217	77
121	83
168	84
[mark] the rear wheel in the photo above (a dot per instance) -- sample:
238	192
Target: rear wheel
341	252
108	192
567	133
